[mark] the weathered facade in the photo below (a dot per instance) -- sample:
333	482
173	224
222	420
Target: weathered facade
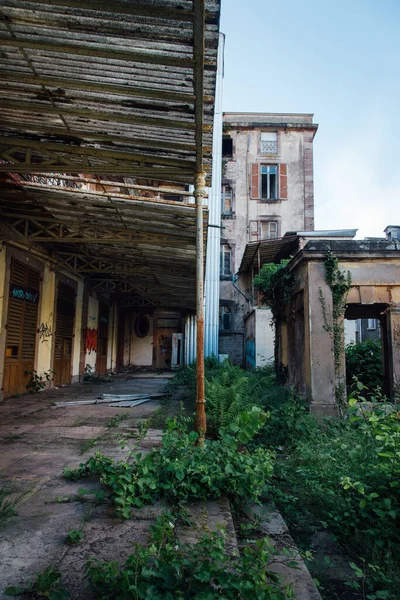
310	333
267	189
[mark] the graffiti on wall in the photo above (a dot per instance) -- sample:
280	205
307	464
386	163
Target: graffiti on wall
45	332
23	294
91	340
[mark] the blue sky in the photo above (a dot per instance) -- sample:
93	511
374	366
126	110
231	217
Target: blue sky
341	61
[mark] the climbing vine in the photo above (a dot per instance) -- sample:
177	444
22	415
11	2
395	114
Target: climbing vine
276	284
339	283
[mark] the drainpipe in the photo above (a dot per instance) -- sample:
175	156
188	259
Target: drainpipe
212	279
234	280
200	194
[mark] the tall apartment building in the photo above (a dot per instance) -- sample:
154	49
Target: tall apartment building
267	190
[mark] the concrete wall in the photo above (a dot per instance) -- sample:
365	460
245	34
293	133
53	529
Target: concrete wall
295	150
264	335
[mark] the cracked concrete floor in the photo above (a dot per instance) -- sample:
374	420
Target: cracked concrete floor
37	440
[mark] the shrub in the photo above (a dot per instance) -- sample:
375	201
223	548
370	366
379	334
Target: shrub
346	477
364	361
180	471
168	569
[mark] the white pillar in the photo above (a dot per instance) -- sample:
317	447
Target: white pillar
76	355
45	342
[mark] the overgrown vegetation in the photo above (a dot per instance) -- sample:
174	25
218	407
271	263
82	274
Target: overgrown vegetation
9	502
38	382
91	377
276	284
167	569
45	585
364	361
180	471
345	478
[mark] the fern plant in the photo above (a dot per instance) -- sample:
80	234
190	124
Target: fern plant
227	396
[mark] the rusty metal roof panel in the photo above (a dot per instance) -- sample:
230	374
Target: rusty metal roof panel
83	74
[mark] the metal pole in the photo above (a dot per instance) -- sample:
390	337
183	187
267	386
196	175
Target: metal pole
199	194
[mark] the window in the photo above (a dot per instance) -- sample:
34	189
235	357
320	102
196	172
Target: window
371	324
226	260
224	318
269	142
268	230
227	146
226	200
269	181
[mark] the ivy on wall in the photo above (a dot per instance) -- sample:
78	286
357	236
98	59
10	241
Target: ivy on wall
339	283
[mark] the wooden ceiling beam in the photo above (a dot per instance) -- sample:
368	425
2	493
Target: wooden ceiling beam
103	88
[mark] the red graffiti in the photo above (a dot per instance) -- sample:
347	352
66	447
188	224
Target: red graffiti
91	340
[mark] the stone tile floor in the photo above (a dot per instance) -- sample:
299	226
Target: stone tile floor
37	440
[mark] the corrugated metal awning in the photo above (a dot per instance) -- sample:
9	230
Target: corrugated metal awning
107	87
268	251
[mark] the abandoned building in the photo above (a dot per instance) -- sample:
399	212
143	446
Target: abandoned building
267	189
309	327
105	154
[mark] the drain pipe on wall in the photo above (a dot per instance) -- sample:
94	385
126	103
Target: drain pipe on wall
235	277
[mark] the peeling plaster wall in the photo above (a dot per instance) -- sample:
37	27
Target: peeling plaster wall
92	324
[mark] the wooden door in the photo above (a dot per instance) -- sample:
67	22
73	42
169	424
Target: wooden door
102	341
64	333
21	328
166	326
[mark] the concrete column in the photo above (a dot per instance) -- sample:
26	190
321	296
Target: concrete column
114	347
321	368
110	333
77	332
393	334
92	328
44	354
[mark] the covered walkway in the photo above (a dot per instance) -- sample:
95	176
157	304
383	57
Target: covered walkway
105	149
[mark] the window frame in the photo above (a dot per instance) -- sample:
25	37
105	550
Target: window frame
268	174
223	196
268	222
225	249
276	143
224	311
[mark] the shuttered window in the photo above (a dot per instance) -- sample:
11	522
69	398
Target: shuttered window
64	321
22	312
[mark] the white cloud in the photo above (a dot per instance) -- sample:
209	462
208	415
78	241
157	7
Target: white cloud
351	191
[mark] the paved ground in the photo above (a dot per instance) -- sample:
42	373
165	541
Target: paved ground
37	440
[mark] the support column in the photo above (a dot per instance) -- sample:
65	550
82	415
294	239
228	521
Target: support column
112	340
92	327
321	367
199	194
393	338
77	332
44	355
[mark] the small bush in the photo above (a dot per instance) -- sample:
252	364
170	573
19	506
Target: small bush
45	585
180	471
168	569
364	361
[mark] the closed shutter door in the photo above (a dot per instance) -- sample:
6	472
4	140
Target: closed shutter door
64	333
21	327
